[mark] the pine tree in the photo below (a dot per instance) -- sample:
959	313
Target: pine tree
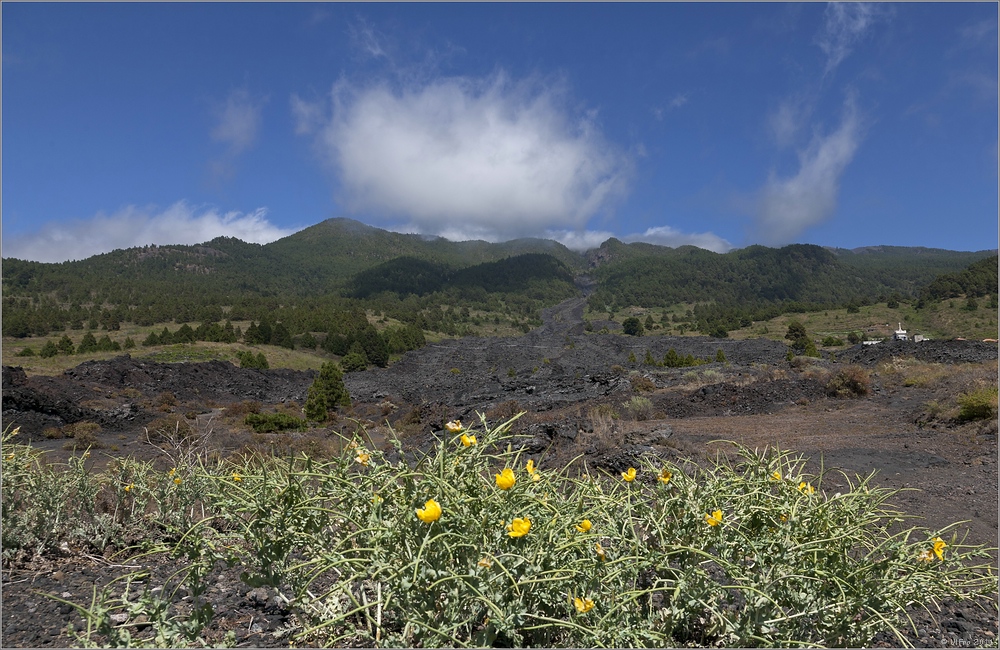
327	392
87	344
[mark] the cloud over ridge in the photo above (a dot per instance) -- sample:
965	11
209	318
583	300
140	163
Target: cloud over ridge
788	206
132	226
461	157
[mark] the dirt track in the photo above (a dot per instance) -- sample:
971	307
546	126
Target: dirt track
558	374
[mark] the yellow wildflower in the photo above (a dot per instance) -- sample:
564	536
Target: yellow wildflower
172	471
455	426
363	458
665	476
776	475
629	476
714	519
519	527
783	518
10	456
485	563
535	476
177	480
806	488
430	513
584	526
129	487
468	441
939	547
600	552
237	477
505	479
583	605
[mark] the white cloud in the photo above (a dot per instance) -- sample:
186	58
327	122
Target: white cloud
787	120
668	236
679	100
238	121
132	226
659	235
845	24
789	206
468	158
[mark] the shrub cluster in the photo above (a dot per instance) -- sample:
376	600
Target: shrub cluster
476	543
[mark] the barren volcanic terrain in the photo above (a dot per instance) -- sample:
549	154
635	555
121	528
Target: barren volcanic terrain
581	394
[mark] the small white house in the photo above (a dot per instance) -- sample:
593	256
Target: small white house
900	334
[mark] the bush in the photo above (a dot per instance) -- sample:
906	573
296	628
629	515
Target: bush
271	422
979	404
851	381
639	408
354	362
632	326
26	352
641	384
832	341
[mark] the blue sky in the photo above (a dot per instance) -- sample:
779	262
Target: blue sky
719	125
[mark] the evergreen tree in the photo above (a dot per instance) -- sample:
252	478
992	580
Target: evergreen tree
253	337
671	359
65	345
281	336
152	339
326	393
49	350
129	343
88	344
720	356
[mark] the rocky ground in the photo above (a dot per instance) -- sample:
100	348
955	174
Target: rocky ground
569	382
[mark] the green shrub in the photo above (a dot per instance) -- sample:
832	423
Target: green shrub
979	404
271	422
326	393
439	553
832	341
639	408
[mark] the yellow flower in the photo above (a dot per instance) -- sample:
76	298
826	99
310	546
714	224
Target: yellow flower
519	527
377	499
505	479
939	547
583	605
535	476
10	456
455	426
714	519
237	477
600	551
129	487
468	441
629	476
171	472
430	513
177	480
665	476
485	563
363	458
776	475
783	518
806	488
584	526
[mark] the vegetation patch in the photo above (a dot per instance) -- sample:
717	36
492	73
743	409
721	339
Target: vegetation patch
478	544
